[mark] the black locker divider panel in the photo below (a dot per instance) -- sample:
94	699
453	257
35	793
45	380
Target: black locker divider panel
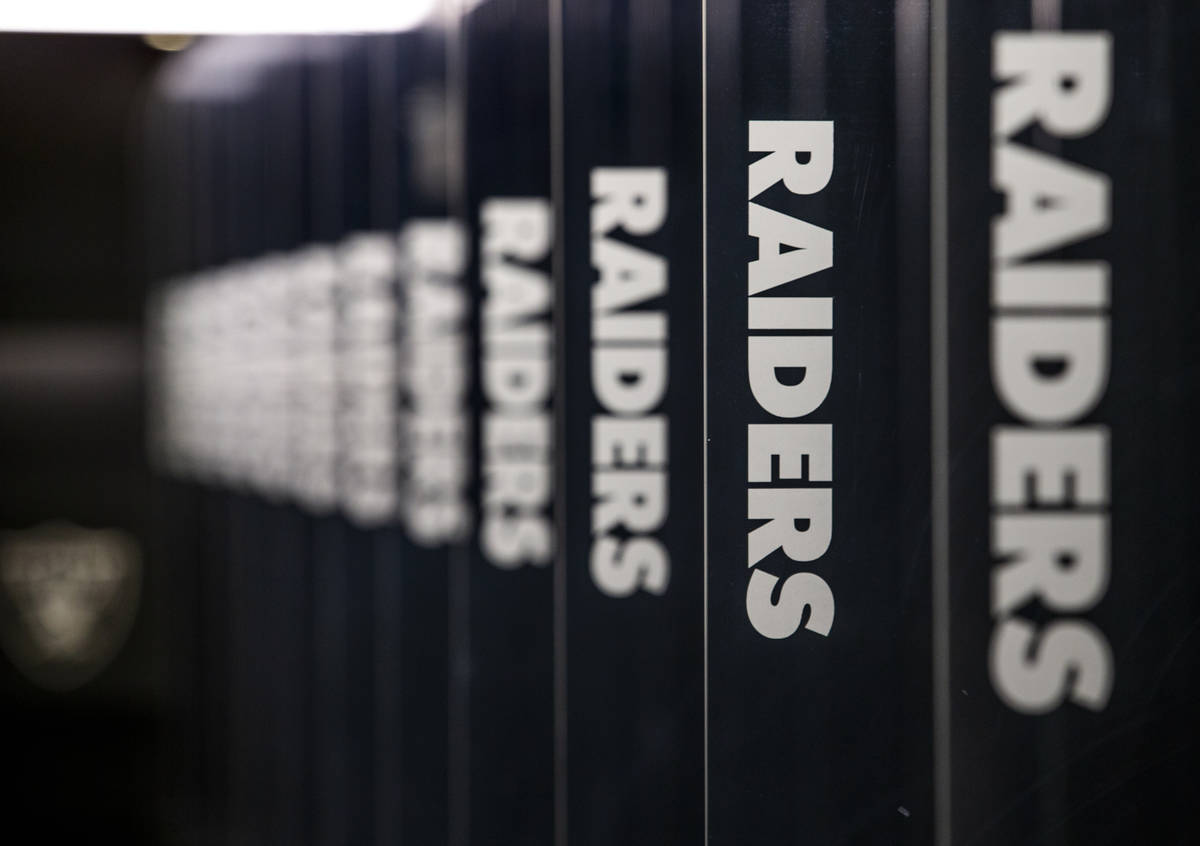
1070	214
818	672
508	642
631	609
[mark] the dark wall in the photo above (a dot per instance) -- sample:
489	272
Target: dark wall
72	282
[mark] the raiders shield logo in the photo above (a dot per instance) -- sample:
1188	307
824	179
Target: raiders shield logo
68	597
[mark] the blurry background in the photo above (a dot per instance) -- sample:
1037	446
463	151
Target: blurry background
84	761
182	661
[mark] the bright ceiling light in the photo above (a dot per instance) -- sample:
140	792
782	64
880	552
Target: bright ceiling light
217	17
